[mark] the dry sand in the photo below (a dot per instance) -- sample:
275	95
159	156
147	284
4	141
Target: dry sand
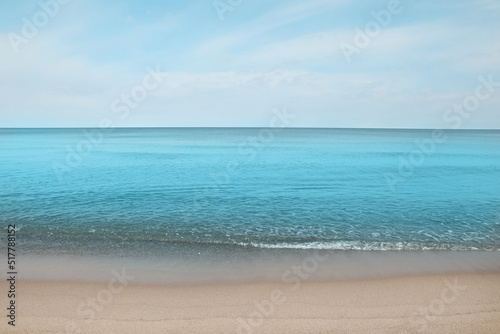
461	303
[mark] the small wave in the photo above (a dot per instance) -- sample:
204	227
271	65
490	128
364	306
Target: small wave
366	246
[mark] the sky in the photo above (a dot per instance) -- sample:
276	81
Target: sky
329	63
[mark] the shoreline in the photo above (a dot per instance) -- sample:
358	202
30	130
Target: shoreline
268	266
444	303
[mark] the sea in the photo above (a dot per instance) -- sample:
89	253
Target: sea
178	199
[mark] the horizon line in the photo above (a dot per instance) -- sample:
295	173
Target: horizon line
247	127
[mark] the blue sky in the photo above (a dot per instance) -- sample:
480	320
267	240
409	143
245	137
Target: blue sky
262	55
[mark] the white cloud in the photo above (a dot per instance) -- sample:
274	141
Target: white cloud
280	17
408	75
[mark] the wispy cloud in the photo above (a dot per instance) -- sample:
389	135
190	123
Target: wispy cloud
267	53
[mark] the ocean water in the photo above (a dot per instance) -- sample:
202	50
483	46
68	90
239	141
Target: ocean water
223	191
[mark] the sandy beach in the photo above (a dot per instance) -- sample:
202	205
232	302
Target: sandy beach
452	303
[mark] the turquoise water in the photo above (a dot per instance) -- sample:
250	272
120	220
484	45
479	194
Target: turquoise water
172	190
